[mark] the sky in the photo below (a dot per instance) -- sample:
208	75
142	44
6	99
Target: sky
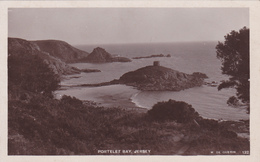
125	25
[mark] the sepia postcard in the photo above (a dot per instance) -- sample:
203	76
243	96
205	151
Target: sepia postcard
124	81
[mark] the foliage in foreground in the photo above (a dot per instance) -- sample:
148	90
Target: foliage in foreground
31	73
234	55
39	125
178	111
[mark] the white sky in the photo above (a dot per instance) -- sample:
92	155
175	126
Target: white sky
128	25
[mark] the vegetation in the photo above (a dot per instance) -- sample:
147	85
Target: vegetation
40	125
234	55
31	73
173	110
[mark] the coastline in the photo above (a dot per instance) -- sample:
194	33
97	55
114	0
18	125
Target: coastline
125	97
120	96
117	101
241	127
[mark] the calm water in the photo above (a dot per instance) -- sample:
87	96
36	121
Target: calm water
186	57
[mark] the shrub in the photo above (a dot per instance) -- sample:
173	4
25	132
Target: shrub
71	100
173	110
209	124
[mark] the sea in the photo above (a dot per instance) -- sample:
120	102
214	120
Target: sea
187	57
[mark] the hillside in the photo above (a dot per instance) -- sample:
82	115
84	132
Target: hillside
60	49
100	55
19	47
161	78
38	125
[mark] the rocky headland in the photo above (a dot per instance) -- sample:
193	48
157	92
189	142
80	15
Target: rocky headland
157	78
57	54
62	50
19	47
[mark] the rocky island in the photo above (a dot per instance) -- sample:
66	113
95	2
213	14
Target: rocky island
157	78
151	56
100	55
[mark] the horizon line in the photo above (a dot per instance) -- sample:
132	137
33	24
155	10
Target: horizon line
117	43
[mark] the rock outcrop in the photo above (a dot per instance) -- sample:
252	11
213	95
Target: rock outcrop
151	56
18	46
100	55
157	78
161	78
60	49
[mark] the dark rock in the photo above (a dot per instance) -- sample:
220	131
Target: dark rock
151	56
100	55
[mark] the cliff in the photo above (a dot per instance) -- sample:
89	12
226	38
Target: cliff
100	55
161	78
60	49
62	52
18	46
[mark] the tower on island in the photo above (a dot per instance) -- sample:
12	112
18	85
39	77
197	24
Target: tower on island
156	63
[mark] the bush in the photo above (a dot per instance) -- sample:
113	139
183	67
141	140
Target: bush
71	100
209	124
173	110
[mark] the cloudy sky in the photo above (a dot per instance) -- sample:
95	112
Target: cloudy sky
128	25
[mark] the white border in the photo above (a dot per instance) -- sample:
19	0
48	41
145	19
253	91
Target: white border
254	9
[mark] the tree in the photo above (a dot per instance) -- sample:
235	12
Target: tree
173	110
31	73
234	55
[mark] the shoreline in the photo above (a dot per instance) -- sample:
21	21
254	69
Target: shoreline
124	99
240	127
126	104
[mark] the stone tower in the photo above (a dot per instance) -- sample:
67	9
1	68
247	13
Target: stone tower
156	63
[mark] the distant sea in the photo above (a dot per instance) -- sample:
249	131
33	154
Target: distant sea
185	57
